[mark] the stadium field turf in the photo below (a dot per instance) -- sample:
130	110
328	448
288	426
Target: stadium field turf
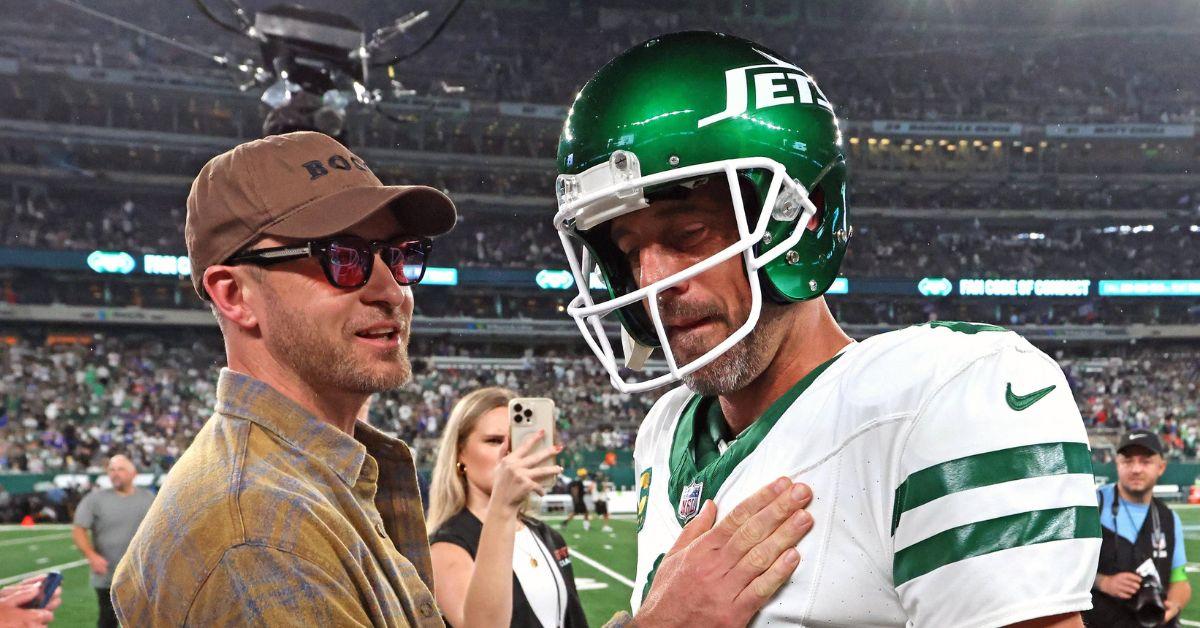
604	565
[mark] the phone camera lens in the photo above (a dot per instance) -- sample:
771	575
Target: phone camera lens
517	408
528	413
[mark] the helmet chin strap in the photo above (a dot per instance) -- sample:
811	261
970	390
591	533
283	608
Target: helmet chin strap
636	353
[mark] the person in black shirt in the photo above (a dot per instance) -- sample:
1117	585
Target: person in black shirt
578	507
494	564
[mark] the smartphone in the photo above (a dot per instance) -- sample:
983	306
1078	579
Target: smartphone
527	415
49	586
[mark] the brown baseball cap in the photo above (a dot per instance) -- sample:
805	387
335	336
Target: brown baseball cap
296	185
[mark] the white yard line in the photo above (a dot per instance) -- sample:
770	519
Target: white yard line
63	567
605	570
1188	622
34	539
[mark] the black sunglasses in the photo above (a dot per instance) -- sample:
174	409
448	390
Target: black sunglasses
348	260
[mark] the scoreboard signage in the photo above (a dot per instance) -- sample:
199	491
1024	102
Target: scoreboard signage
1147	131
1149	288
1024	287
559	279
116	262
948	129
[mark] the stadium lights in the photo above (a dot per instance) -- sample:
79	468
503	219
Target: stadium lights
1042	144
1194	229
1028	149
854	140
996	143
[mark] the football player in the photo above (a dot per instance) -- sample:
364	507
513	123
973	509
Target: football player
702	205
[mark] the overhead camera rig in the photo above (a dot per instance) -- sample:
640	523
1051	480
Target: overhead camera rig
316	63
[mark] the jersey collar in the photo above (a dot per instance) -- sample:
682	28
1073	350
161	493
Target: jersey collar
695	460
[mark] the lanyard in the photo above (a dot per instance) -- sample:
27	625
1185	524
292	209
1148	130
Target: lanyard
1158	540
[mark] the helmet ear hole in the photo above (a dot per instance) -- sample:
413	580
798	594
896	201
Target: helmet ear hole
818	199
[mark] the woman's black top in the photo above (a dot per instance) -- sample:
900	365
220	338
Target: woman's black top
463	530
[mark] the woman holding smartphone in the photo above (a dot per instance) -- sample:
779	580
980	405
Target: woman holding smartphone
493	565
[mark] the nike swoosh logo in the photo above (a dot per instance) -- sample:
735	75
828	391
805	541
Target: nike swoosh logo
1021	402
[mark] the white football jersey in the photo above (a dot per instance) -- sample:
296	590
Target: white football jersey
951	477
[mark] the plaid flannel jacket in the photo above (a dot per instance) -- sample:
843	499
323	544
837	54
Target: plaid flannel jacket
273	517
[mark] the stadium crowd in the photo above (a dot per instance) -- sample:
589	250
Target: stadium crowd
977	62
68	406
1155	388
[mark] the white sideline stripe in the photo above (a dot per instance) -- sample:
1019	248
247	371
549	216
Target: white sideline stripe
34	539
992	501
1188	622
605	570
7	527
63	567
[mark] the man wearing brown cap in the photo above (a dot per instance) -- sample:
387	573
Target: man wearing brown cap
287	509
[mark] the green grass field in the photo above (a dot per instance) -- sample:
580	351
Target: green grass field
603	590
604	565
30	551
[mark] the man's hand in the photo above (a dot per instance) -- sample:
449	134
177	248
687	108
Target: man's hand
1172	610
12	597
99	564
723	575
1119	585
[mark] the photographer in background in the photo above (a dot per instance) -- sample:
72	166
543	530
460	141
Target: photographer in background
1140	579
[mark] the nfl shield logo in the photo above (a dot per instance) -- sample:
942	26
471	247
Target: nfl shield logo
689	501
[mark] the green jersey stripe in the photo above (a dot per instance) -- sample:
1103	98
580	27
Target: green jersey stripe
986	469
994	535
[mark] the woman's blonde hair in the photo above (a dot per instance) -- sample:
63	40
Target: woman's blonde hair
448	488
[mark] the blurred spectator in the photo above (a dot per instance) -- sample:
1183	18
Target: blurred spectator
111	516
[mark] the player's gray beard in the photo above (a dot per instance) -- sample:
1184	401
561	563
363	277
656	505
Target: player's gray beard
742	363
322	362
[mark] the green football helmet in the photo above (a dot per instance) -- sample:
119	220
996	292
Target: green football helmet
699	106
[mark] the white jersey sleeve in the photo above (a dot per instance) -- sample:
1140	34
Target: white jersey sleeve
995	517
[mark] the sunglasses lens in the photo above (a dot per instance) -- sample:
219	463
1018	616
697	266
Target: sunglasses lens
407	261
348	264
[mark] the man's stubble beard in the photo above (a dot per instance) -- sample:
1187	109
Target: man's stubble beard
323	362
743	362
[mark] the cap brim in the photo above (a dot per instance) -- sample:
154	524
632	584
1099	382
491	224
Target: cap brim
1128	446
419	210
